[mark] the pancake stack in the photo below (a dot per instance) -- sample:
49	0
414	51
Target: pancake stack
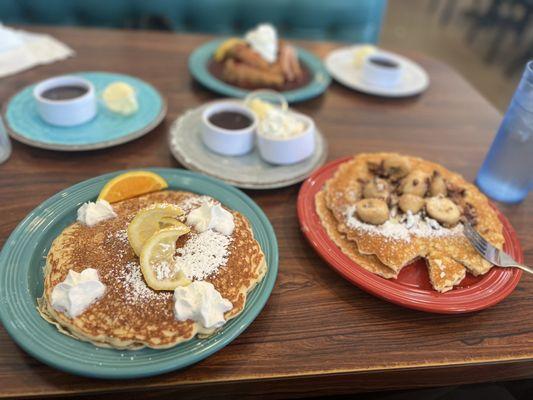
131	315
385	210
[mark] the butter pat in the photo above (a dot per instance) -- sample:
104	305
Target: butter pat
120	98
209	216
202	303
77	292
362	52
92	213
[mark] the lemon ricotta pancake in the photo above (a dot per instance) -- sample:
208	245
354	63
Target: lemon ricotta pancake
98	263
385	210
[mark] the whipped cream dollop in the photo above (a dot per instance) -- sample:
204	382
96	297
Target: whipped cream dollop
201	302
77	292
211	216
276	122
264	40
279	124
92	213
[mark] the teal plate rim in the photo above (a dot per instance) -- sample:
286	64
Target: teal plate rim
201	55
22	259
21	137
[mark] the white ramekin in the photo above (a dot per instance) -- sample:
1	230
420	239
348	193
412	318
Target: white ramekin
380	75
67	112
288	150
229	142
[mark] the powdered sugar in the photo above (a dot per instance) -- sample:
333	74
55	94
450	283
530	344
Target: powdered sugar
203	254
200	257
122	236
137	291
402	227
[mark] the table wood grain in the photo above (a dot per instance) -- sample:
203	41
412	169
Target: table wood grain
318	334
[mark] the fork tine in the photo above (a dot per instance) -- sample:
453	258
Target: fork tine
476	240
481	245
478	246
491	253
475	235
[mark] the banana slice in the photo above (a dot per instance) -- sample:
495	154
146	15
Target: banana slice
157	260
443	210
415	183
377	188
411	202
372	211
396	166
225	47
437	185
149	221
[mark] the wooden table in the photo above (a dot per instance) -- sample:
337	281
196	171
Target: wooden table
318	334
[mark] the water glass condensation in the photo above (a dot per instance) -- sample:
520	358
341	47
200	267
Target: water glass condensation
5	144
507	173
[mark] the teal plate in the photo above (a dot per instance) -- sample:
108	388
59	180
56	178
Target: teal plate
21	282
105	130
199	59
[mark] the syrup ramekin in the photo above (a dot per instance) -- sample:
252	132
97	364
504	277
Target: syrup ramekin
229	142
68	112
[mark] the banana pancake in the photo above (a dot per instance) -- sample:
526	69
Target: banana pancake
399	208
444	272
131	315
368	262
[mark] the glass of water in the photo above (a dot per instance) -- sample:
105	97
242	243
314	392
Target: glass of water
5	144
507	173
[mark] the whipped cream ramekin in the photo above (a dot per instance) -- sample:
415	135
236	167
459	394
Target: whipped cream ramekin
229	142
68	112
288	150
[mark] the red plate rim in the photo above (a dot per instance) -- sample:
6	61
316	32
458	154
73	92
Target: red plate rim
492	288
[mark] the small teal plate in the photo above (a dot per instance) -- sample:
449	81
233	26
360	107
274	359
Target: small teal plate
105	130
21	282
199	59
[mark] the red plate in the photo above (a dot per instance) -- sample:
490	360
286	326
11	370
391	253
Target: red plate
412	288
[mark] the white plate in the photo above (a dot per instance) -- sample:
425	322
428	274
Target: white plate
249	171
340	64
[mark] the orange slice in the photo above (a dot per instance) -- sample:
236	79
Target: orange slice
131	184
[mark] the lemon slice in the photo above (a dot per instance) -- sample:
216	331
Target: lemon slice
157	258
131	184
226	46
120	97
149	221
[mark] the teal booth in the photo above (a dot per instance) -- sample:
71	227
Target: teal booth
344	20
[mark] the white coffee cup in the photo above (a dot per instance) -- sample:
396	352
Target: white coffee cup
382	69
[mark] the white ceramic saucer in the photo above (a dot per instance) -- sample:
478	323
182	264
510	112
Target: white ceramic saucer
248	171
340	64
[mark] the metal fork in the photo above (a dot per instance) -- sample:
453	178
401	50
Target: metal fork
490	253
